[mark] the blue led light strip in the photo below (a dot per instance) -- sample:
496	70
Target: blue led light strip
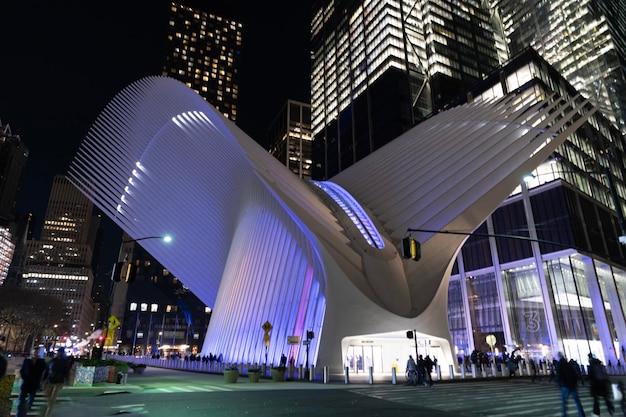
354	210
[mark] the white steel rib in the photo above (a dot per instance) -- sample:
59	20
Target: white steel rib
258	244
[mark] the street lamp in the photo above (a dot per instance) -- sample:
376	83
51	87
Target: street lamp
122	268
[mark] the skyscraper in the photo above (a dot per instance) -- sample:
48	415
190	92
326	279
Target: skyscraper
559	286
584	40
291	140
381	66
60	263
203	50
13	157
498	287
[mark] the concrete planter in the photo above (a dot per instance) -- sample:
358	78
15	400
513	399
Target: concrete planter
278	374
231	376
254	376
6	386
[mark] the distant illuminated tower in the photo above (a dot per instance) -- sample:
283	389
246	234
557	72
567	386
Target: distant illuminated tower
204	51
60	263
290	138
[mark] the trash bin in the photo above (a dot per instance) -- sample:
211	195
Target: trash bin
120	377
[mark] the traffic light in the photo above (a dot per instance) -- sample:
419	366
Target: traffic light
131	273
125	271
117	271
409	334
411	249
309	335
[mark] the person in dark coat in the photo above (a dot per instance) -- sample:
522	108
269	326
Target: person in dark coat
598	385
31	373
56	373
568	380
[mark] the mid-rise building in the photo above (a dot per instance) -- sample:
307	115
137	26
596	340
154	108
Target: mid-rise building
291	140
203	50
161	315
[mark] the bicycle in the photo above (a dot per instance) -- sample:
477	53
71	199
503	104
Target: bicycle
411	377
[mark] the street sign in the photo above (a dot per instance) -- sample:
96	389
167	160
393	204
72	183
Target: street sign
113	322
491	340
306	342
267	326
266	339
293	340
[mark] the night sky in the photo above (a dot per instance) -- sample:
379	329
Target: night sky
63	61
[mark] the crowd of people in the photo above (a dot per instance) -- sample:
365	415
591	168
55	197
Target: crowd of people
568	374
38	374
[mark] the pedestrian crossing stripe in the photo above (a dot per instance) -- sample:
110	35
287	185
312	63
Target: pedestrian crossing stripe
453	397
39	405
207	388
190	388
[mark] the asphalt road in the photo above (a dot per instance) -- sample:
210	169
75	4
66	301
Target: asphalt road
167	393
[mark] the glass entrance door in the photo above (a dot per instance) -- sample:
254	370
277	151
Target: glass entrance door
360	358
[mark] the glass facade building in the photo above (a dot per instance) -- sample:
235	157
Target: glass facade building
381	66
561	285
584	40
413	59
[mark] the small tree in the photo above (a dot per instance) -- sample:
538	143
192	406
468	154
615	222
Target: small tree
27	313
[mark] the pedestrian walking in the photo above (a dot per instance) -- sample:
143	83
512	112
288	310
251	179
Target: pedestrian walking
411	369
568	381
534	369
31	372
599	385
428	368
553	375
55	374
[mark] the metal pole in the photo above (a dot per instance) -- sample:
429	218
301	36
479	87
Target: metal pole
148	336
162	335
135	333
175	329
